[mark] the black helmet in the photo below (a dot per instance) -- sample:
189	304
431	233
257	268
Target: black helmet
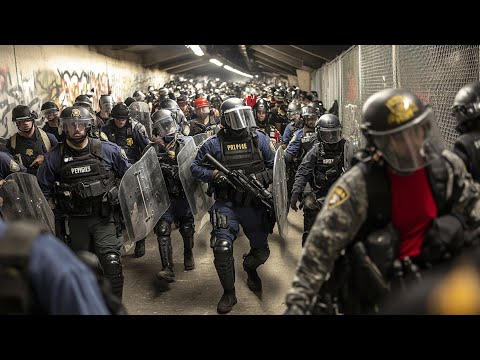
83	100
279	96
23	112
216	101
466	106
106	103
329	129
293	108
169	104
398	124
129	100
236	115
310	115
120	111
260	106
163	123
138	95
49	105
75	116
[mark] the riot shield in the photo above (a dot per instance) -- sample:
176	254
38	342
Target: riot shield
200	138
195	190
143	196
21	198
280	197
139	111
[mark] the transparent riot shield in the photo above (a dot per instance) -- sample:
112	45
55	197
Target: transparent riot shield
21	198
139	111
200	138
143	196
280	196
195	190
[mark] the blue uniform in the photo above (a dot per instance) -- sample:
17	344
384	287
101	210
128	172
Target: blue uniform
112	159
288	133
63	283
249	217
294	147
8	165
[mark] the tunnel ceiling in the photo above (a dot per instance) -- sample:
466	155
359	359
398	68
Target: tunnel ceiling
270	60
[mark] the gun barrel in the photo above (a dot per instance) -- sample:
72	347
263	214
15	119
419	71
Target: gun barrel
216	164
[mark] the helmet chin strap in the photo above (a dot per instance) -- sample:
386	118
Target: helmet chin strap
77	141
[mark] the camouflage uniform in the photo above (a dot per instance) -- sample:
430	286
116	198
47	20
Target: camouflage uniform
346	211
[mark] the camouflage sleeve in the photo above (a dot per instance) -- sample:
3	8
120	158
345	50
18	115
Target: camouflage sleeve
336	225
462	190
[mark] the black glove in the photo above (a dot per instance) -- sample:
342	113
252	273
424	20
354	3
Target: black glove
293	201
221	179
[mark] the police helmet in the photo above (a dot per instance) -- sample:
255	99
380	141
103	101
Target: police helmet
163	123
398	124
129	100
138	95
23	113
75	116
106	103
329	129
83	100
120	111
466	106
310	115
49	105
236	115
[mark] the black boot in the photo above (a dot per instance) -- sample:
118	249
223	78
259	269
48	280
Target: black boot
165	248
139	248
227	301
187	230
254	282
251	261
188	260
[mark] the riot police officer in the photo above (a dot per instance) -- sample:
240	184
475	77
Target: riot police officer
296	123
278	115
403	207
50	113
168	142
204	121
466	109
179	117
106	104
260	112
8	165
81	175
30	143
131	136
237	146
320	167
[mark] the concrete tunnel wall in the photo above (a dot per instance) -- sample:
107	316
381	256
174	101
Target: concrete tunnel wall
33	74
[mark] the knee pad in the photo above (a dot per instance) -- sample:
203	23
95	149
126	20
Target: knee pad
163	229
112	265
91	260
187	229
222	250
256	257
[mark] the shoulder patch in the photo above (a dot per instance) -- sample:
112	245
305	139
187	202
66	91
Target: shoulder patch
272	146
103	136
14	167
123	154
293	137
337	196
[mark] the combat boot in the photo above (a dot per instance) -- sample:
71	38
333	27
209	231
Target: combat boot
165	248
254	282
187	230
139	248
227	301
188	260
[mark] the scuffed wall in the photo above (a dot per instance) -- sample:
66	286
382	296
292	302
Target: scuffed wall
34	74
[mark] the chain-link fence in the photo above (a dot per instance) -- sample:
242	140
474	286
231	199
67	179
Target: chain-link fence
434	72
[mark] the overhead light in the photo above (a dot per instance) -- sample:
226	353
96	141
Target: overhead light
217	79
216	62
256	76
237	71
196	49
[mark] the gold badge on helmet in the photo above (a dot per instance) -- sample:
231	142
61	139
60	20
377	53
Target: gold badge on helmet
75	113
401	109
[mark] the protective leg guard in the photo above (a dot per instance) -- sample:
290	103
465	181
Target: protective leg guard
224	264
113	271
187	230
139	248
165	248
251	261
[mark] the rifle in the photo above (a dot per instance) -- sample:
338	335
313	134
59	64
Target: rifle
248	184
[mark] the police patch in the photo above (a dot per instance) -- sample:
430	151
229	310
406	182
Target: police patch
75	113
272	146
14	167
337	196
123	154
401	109
129	141
29	152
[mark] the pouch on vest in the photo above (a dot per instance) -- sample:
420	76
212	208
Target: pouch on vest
444	239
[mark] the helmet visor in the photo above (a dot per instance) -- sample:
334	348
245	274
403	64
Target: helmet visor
73	125
330	136
411	147
239	118
50	113
164	127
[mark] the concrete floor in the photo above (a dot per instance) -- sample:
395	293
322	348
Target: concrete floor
198	291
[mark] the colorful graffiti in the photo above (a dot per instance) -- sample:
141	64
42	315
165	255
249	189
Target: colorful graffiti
61	87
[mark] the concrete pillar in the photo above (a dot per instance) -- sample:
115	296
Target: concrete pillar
292	80
304	81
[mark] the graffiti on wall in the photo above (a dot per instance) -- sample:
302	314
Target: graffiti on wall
61	87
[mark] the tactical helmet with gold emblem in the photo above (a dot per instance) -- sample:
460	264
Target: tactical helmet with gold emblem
73	118
402	128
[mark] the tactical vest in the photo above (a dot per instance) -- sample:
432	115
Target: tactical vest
471	143
84	182
169	164
308	140
331	161
16	292
125	142
28	155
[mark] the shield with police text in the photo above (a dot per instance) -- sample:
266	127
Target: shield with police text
195	190
279	190
22	199
139	111
143	196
